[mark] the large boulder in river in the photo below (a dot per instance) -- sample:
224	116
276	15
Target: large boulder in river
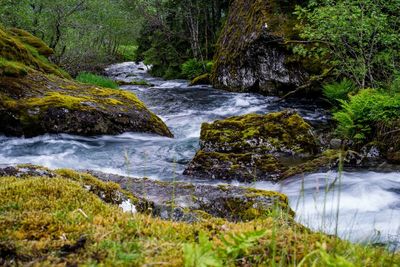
257	147
37	97
252	55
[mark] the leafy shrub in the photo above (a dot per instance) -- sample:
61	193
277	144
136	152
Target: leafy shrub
337	91
394	86
359	116
127	52
90	78
194	68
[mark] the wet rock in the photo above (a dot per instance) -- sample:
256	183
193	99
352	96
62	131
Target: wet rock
255	147
335	143
252	55
175	201
37	97
191	202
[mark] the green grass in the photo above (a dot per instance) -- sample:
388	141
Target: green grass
90	78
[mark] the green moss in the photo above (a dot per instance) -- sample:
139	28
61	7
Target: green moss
55	99
33	41
21	48
12	68
202	79
280	131
56	221
324	161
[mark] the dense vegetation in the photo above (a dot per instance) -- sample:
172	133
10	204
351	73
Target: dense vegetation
84	34
357	42
179	31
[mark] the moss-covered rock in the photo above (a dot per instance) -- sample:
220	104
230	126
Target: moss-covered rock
251	52
257	147
52	218
172	201
37	97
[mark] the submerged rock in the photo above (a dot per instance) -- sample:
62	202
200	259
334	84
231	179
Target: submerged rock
257	147
168	200
36	97
251	52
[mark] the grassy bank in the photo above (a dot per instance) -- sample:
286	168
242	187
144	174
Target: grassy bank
49	221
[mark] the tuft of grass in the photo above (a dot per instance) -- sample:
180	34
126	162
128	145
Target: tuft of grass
90	78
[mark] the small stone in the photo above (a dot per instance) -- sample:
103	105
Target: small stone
335	143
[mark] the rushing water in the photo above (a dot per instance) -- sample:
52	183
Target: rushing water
366	206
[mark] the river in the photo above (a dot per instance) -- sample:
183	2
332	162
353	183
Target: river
362	206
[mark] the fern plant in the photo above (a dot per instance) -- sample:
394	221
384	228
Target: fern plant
235	246
201	254
238	245
338	91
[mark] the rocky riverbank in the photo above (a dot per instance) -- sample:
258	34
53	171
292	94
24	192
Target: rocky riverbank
65	217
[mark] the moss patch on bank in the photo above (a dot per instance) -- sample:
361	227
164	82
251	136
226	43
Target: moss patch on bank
57	220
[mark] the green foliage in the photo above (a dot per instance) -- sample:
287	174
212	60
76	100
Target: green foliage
83	34
90	78
357	38
394	86
337	91
127	52
358	116
175	31
194	68
239	245
201	254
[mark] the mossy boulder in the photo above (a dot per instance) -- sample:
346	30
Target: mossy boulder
252	54
257	147
37	97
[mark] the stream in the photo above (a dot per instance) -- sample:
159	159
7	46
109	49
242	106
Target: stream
363	206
